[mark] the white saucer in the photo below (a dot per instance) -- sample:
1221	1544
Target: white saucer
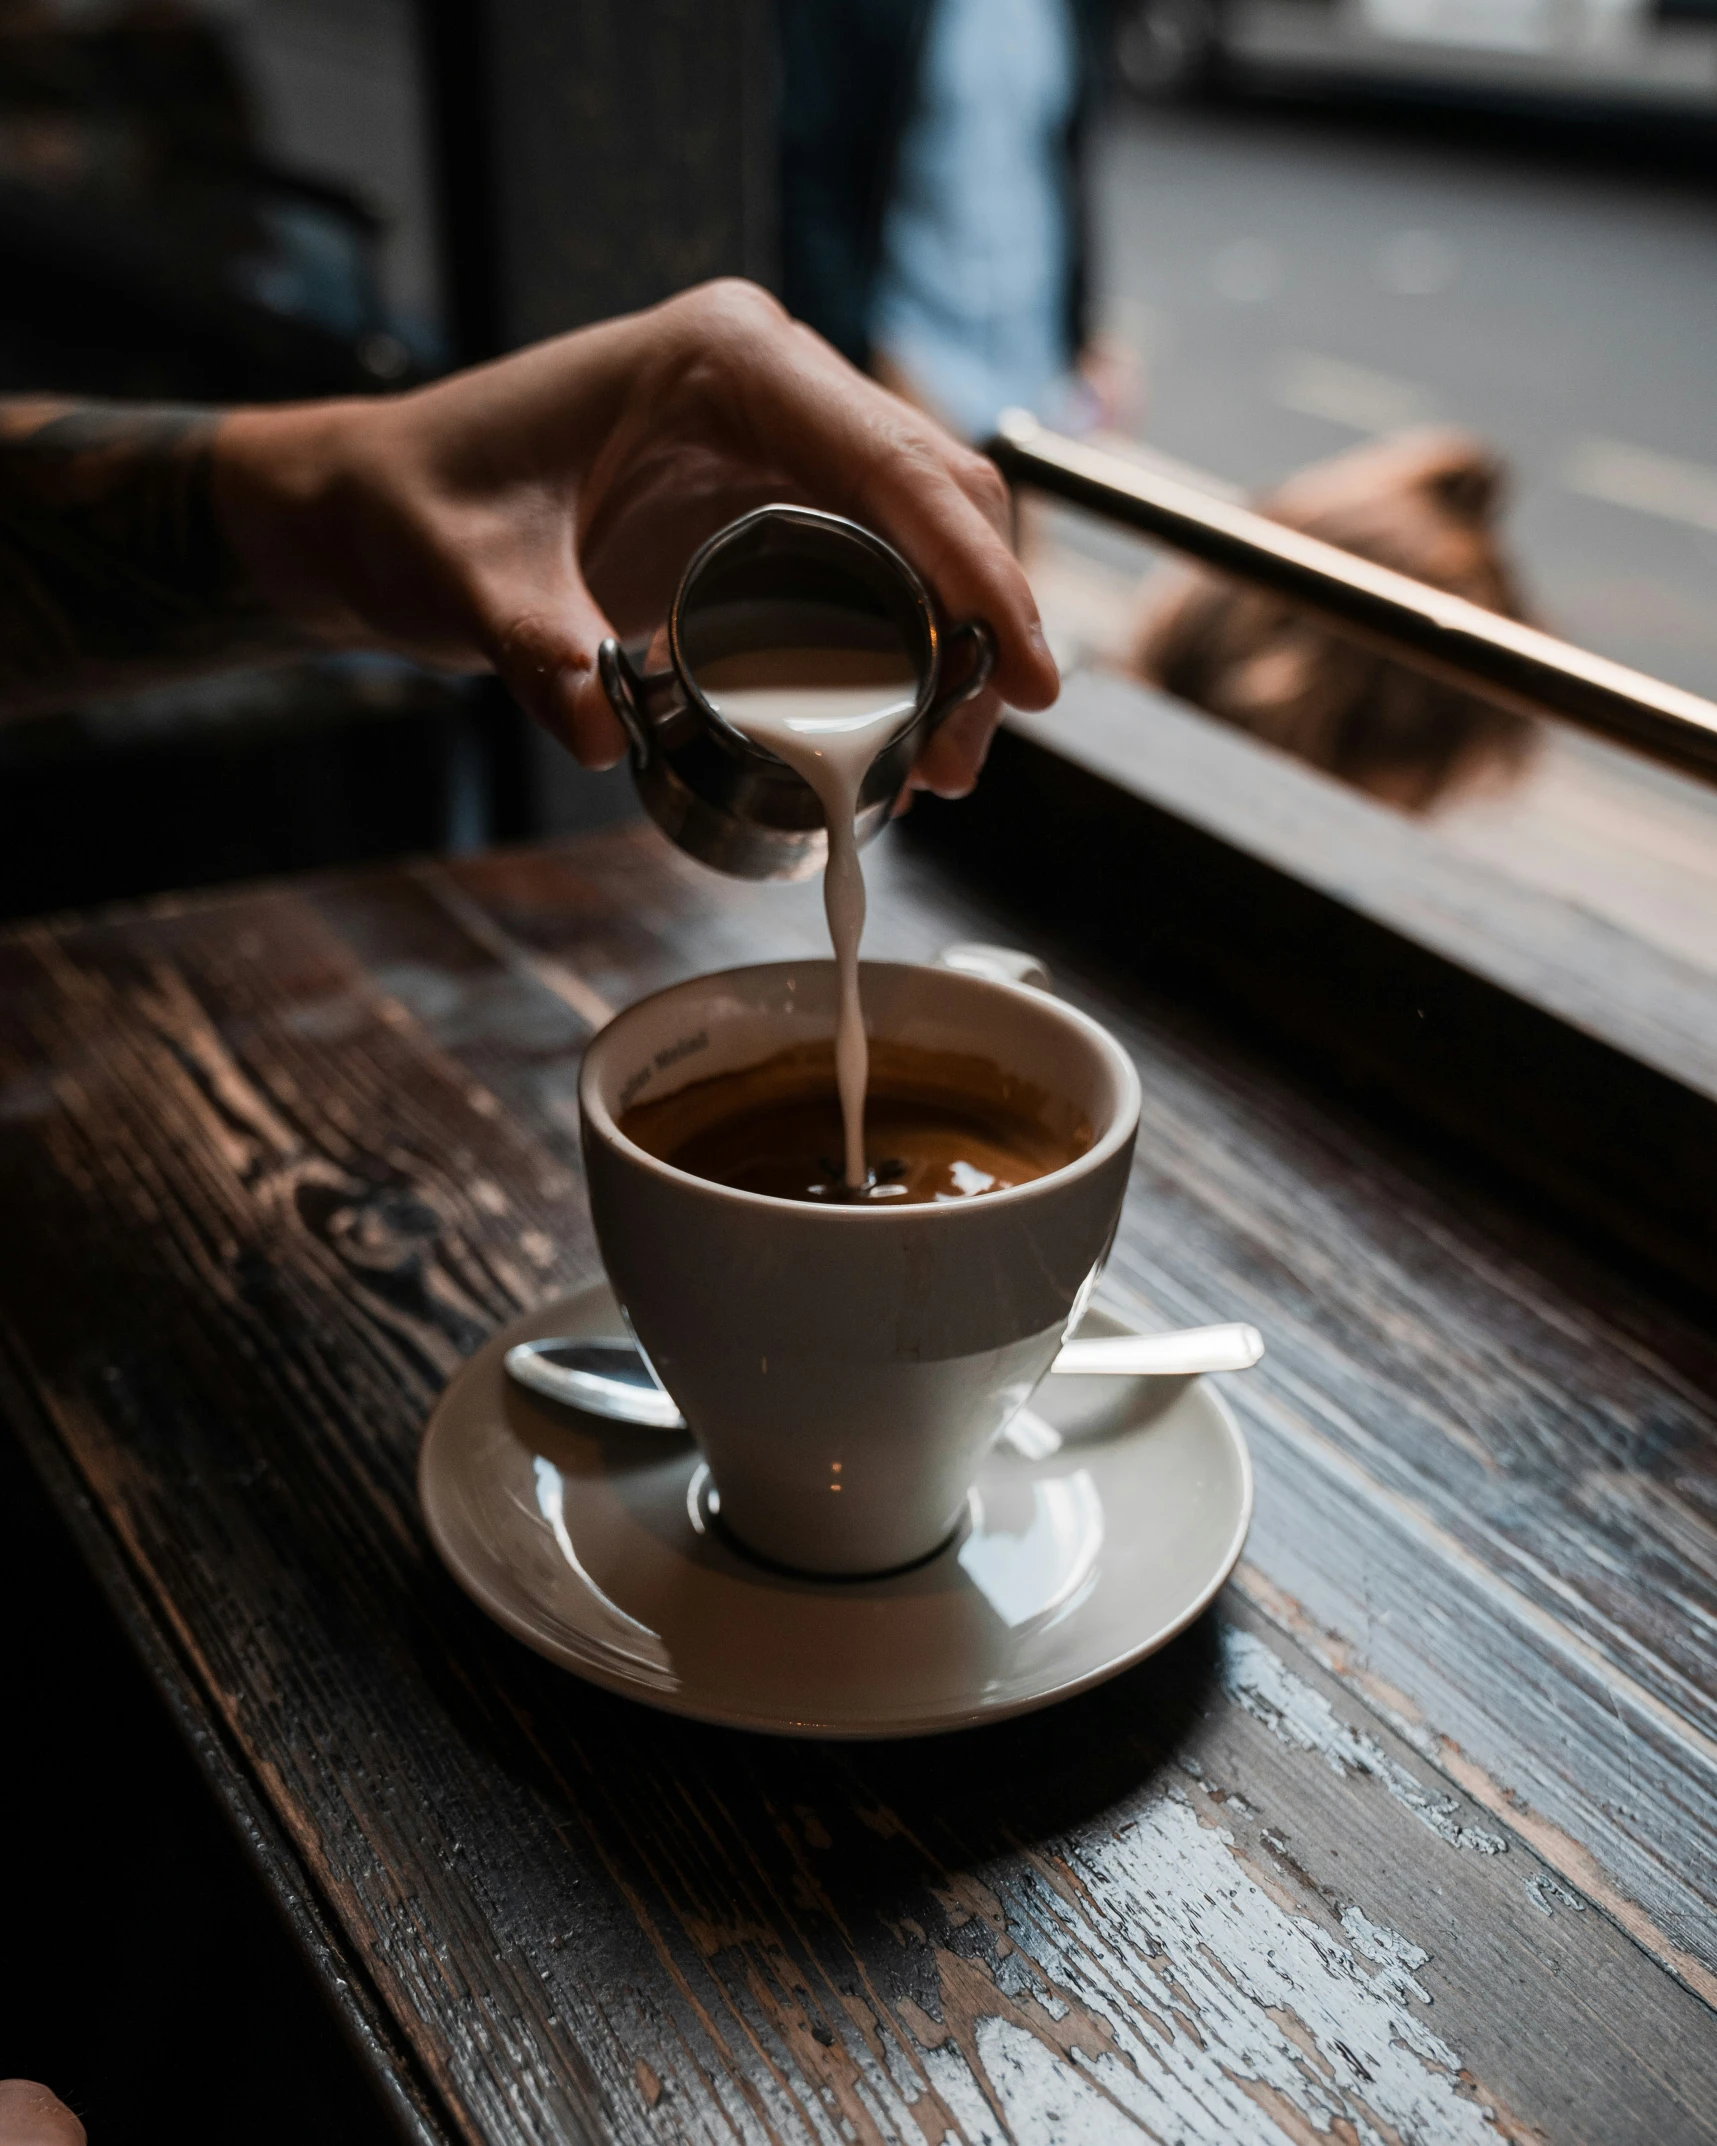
1105	1520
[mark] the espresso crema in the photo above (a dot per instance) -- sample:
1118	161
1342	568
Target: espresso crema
941	1126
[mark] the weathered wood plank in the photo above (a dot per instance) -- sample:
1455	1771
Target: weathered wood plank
1599	977
416	2112
286	1157
1520	1444
1573	1061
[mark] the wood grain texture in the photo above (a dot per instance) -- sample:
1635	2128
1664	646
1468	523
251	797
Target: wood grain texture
593	157
1412	1840
1506	1428
632	148
321	1945
1591	972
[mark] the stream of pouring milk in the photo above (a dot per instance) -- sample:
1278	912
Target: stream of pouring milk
827	712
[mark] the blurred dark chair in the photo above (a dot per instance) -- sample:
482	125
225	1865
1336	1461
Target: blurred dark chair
150	249
258	772
149	246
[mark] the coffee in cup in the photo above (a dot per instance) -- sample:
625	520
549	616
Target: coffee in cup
938	1125
843	1364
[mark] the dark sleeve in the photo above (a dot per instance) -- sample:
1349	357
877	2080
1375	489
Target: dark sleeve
848	69
114	570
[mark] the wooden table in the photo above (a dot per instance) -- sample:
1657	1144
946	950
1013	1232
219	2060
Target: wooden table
1410	1840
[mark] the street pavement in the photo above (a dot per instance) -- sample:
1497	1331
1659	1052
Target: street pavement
1296	279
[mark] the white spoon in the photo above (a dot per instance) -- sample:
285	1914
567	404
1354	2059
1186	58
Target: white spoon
612	1376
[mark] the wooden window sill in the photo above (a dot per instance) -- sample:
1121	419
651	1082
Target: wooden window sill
1563	1048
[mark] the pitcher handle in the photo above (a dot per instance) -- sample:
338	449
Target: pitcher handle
977	639
625	690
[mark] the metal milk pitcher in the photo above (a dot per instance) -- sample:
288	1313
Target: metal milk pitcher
781	577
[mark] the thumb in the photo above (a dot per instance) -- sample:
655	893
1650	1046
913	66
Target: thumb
546	658
31	2116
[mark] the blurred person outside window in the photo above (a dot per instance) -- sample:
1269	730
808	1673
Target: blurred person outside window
933	199
1427	503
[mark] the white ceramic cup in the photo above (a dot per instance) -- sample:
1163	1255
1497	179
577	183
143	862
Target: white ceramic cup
844	1368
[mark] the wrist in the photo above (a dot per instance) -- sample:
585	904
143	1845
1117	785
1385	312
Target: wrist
277	477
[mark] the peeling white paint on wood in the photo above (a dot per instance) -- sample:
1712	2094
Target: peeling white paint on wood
795	1990
1547	1896
1045	2098
1256	1678
1206	2010
963	2097
1254	2009
1393	1953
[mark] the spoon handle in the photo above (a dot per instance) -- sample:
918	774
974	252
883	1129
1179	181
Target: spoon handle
599	1389
1185	1354
593	1391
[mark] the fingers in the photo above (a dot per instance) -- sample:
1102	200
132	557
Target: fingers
858	448
547	661
596	463
947	509
591	728
31	2116
950	764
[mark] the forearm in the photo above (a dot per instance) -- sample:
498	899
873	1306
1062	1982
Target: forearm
115	570
508	518
381	522
140	542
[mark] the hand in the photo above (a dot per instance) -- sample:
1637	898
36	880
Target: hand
31	2116
511	517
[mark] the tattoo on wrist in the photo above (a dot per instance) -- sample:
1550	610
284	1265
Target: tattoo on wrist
113	566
